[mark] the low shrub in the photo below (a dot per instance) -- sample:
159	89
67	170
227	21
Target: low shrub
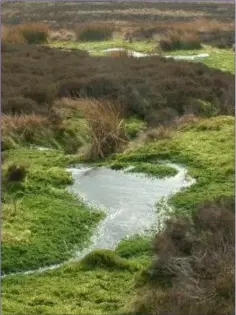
151	95
218	38
32	33
163	116
96	86
41	94
194	268
180	42
94	31
19	105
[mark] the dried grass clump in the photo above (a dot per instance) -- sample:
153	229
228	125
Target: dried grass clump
105	125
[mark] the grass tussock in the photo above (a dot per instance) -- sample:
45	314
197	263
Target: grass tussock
94	31
30	33
194	269
106	127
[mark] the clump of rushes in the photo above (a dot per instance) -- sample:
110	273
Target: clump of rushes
106	127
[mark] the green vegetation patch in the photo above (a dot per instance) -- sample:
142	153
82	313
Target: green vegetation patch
222	59
100	284
157	170
43	224
206	148
97	47
136	246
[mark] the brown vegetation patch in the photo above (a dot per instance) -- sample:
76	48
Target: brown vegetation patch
155	89
194	269
31	33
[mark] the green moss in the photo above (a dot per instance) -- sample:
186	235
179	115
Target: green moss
68	290
43	223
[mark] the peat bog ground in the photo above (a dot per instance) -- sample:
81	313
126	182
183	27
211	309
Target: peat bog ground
130	129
